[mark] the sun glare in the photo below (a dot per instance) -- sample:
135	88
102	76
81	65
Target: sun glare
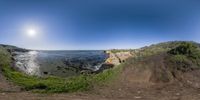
31	32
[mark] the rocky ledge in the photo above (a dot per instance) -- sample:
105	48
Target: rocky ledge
114	59
117	58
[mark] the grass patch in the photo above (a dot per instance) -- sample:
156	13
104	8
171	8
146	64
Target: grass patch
54	84
57	84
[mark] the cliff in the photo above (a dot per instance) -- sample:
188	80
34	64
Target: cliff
117	58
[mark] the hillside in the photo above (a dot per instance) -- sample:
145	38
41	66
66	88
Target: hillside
11	48
165	71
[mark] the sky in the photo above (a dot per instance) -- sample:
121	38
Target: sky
97	24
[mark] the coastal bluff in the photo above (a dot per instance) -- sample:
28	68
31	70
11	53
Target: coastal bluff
118	57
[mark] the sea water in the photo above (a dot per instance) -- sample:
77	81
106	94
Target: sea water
59	63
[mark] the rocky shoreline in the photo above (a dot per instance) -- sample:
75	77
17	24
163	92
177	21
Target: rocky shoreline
112	59
61	66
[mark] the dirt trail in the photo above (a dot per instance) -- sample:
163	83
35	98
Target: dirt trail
6	86
134	83
118	91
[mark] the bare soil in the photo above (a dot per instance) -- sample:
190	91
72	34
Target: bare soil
7	86
148	79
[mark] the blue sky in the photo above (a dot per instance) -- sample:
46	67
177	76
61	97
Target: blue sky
97	24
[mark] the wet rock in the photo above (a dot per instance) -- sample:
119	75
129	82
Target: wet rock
46	73
104	67
86	72
58	68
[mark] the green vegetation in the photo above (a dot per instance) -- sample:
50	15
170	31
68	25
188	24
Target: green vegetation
54	84
57	84
120	50
179	59
5	57
187	49
182	55
185	56
159	48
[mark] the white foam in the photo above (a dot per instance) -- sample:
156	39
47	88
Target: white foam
33	52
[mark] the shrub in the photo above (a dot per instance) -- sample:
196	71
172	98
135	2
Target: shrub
5	57
179	58
186	48
186	54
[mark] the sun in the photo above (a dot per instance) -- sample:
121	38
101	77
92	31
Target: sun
31	32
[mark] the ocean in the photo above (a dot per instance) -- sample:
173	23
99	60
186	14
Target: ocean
59	63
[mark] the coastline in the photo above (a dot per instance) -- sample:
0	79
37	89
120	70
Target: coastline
114	58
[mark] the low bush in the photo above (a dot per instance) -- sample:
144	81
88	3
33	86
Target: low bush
5	57
187	49
185	56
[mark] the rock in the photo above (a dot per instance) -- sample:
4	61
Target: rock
59	68
138	97
3	93
86	72
104	67
138	92
177	94
118	57
45	73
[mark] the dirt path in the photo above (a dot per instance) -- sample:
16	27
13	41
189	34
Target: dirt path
7	86
173	91
132	84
